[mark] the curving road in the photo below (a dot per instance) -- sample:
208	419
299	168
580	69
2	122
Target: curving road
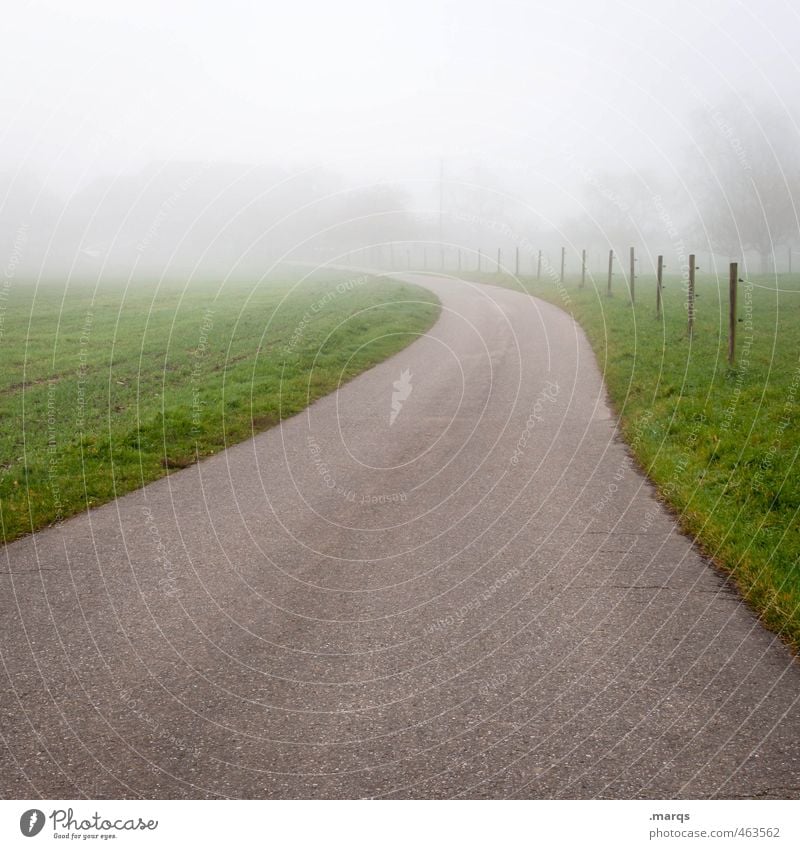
480	598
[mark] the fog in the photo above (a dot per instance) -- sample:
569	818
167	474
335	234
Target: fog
208	138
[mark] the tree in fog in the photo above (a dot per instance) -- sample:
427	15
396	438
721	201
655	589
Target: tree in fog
745	177
373	218
620	209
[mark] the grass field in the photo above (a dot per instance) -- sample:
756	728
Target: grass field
720	443
103	390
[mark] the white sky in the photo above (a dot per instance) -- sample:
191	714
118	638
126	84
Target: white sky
374	87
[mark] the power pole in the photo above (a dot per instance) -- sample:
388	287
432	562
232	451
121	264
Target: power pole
441	206
563	256
583	267
690	311
539	266
610	270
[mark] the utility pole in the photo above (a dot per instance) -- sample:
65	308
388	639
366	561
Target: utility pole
563	256
539	266
690	311
583	267
441	206
610	270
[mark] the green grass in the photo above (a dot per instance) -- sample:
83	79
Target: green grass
103	390
720	443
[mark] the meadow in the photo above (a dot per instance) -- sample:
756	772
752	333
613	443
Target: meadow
720	442
105	388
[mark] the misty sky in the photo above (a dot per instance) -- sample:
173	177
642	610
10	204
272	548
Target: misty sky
164	137
373	87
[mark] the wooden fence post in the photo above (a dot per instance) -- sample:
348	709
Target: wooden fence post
659	280
733	280
633	275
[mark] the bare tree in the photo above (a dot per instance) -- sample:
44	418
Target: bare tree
745	175
620	210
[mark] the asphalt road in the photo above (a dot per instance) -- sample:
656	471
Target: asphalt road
482	598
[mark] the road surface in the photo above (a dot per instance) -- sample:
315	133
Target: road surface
445	580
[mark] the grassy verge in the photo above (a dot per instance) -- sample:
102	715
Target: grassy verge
104	390
720	443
